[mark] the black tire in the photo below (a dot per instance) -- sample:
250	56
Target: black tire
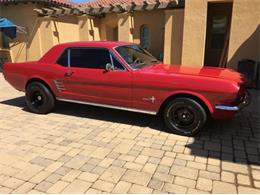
39	98
184	116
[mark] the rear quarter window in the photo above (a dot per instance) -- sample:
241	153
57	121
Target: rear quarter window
63	59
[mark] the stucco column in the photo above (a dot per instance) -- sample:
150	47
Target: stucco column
194	34
125	27
47	39
173	36
87	28
245	32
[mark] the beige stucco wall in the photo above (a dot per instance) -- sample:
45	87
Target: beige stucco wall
107	25
155	20
54	31
129	28
43	32
178	34
245	32
65	29
195	27
89	28
126	24
174	20
20	51
194	32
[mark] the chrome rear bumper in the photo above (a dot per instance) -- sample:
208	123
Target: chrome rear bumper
245	101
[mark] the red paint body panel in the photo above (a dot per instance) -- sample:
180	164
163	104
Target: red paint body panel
129	88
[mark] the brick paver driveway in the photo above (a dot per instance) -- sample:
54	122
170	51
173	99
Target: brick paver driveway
83	149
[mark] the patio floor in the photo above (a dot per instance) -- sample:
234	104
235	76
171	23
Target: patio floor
84	149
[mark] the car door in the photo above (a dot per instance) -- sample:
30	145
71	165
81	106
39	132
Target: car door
86	78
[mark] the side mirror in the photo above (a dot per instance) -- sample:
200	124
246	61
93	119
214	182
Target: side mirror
109	67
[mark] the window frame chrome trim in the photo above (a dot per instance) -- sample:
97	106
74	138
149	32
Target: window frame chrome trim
69	60
111	60
111	52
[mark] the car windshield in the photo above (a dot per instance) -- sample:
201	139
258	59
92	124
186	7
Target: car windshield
136	56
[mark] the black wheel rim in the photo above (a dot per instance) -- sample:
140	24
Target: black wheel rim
182	118
37	99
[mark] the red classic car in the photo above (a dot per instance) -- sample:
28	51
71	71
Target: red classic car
125	76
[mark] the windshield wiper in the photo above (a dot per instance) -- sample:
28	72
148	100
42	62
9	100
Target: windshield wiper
140	64
155	61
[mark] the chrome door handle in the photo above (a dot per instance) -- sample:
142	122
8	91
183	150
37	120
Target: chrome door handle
69	74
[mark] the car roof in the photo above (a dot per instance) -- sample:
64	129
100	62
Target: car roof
52	55
106	44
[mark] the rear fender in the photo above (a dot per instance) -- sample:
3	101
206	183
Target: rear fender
41	79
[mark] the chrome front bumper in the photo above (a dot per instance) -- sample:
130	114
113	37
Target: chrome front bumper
245	101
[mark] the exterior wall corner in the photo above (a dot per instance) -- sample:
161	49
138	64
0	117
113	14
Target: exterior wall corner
125	27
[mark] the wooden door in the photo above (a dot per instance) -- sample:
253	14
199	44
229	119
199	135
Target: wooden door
218	28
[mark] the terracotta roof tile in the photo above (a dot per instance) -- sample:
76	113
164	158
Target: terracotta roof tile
113	2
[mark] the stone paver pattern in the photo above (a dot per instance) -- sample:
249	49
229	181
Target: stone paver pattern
84	149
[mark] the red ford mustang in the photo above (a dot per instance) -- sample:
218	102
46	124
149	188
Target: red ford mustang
125	76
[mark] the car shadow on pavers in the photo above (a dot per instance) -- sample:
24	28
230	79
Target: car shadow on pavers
17	102
110	115
98	113
236	140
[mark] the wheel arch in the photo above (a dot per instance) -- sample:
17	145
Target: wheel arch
40	80
195	96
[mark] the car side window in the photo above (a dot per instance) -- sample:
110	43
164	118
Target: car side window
95	58
117	64
63	59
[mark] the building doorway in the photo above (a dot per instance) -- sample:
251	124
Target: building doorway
218	33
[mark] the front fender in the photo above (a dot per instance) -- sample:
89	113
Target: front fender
200	96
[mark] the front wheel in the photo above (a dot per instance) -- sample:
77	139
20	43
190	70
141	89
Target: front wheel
39	98
184	116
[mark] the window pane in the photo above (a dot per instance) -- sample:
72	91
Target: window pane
135	56
117	64
89	58
63	60
145	36
219	30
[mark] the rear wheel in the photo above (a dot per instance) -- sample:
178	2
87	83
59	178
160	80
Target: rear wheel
184	116
39	98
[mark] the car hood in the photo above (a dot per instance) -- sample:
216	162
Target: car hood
213	72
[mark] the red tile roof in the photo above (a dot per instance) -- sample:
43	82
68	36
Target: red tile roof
54	2
91	2
116	2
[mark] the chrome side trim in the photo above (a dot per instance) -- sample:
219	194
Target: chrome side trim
227	108
108	106
245	101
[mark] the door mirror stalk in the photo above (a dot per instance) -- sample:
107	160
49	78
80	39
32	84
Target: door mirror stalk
109	67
